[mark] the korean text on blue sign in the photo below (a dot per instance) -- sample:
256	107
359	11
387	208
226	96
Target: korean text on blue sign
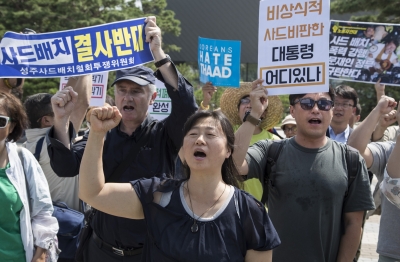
219	62
87	50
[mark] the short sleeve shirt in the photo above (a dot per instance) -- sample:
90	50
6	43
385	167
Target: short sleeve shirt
307	197
388	238
243	224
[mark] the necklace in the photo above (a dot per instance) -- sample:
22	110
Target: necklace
194	228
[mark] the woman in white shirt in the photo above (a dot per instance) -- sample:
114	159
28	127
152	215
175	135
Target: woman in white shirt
27	228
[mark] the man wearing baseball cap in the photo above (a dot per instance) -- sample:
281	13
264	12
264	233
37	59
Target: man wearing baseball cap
115	238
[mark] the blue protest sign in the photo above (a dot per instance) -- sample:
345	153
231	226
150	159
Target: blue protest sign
219	62
81	51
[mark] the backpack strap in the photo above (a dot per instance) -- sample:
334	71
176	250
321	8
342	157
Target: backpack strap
273	152
352	157
352	162
38	148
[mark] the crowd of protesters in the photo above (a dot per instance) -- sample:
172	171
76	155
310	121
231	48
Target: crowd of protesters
199	185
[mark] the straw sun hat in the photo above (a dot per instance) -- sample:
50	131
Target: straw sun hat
230	100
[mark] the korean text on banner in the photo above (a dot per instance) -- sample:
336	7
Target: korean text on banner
219	62
81	51
99	88
364	52
161	108
293	49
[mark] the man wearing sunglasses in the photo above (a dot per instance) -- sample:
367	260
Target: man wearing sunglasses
345	103
317	215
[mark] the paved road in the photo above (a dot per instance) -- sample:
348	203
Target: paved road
370	238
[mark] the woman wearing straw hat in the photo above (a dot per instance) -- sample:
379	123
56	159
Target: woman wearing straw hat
289	126
235	104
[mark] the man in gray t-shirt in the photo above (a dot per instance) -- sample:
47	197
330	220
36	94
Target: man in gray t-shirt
376	156
307	202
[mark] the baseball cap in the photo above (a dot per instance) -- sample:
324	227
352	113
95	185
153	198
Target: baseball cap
141	75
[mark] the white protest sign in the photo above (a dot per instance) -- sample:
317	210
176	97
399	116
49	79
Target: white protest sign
99	88
293	46
161	108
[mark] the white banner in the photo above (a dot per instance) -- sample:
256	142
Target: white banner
161	108
293	46
99	88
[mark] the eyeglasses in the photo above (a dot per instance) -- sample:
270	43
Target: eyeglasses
343	105
308	104
245	101
4	121
290	129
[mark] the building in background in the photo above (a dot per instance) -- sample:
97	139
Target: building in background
221	19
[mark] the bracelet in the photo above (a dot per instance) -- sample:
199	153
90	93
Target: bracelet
203	107
7	83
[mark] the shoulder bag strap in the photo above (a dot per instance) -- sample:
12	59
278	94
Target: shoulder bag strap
352	165
273	152
352	169
38	148
131	155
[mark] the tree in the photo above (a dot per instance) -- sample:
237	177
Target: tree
58	15
387	11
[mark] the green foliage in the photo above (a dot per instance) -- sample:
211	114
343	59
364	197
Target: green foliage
214	103
41	85
286	105
58	15
189	73
387	11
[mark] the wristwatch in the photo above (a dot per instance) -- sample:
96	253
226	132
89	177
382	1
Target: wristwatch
163	61
251	119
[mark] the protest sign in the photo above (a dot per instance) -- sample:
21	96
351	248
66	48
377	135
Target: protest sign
219	62
161	108
293	46
99	88
81	51
364	52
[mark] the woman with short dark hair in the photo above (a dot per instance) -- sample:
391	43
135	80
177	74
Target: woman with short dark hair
202	218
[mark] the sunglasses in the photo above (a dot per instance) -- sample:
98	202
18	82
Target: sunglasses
4	121
308	104
245	101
